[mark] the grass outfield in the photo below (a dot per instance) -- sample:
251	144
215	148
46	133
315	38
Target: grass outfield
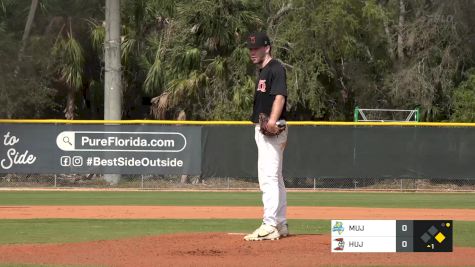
77	230
343	199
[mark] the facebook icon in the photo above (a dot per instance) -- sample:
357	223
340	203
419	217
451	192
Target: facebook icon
65	161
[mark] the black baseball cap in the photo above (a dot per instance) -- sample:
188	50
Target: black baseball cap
258	39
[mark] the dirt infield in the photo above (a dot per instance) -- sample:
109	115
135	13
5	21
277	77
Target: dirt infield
219	249
215	212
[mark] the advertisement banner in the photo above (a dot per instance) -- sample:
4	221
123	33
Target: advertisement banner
124	149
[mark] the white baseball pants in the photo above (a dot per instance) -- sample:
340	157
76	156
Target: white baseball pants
271	182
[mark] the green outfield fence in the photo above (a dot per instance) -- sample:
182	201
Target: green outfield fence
171	182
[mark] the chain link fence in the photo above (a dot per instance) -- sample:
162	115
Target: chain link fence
169	182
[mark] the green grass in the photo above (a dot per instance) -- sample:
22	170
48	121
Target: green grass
464	234
344	199
77	230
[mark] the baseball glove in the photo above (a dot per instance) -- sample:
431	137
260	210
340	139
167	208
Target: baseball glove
263	120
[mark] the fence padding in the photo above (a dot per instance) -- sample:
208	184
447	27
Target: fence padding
318	151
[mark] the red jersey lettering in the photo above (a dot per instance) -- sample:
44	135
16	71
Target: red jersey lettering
261	86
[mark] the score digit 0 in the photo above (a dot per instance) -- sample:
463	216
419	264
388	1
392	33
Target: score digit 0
404	243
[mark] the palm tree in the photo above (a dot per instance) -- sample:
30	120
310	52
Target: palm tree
208	60
67	51
186	56
70	64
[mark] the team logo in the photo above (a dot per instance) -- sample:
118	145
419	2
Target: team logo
338	227
341	244
261	86
253	39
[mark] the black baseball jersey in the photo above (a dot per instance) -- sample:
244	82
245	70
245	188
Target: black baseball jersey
272	81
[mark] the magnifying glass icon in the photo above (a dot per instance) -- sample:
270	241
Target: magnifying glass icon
66	140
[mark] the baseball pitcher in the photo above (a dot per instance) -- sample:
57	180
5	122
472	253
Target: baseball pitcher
268	115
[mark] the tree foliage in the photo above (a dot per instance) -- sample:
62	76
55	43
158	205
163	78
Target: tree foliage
463	100
190	56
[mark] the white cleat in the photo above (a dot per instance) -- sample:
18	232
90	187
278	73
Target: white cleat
283	229
264	232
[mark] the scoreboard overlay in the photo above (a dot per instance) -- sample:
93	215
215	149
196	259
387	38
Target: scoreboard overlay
392	235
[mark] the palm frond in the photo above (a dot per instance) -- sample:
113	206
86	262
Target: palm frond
70	57
153	42
155	76
218	67
189	60
160	104
98	35
128	45
163	7
143	62
243	94
240	55
188	86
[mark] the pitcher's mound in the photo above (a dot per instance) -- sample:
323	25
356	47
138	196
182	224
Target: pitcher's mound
218	249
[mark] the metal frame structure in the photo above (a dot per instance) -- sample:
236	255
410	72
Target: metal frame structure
413	115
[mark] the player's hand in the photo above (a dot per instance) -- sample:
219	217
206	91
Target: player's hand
272	126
